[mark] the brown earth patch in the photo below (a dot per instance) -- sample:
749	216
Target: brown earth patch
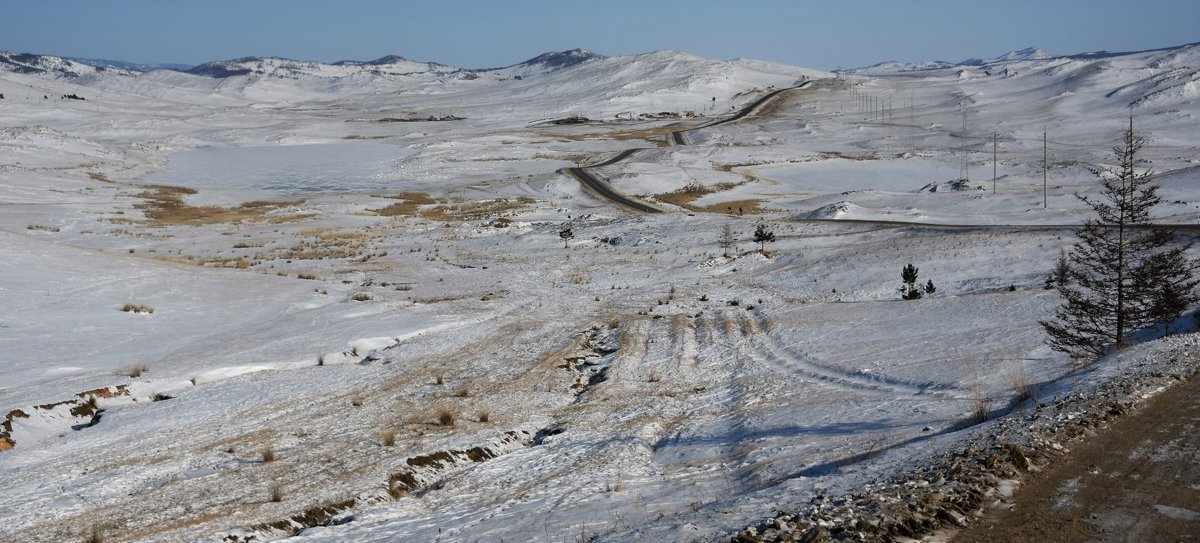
1138	480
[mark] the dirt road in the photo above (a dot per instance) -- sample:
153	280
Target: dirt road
1139	480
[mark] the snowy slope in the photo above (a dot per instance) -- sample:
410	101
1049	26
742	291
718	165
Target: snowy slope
337	270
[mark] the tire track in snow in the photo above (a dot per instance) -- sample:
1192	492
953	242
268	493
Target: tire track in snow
769	351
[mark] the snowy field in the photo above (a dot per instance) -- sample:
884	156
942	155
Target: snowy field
384	303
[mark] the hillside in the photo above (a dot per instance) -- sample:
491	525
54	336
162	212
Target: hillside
396	300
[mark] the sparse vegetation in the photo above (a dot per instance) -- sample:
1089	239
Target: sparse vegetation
396	488
137	308
979	407
361	297
388	437
484	416
445	417
97	535
276	492
1022	389
135	370
268	454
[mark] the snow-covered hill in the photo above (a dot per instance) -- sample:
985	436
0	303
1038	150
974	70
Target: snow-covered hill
361	268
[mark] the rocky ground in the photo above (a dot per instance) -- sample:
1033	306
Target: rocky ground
1114	461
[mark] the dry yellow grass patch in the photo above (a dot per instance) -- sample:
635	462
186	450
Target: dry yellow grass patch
164	205
414	204
694	191
409	204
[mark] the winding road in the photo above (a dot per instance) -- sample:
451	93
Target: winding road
601	188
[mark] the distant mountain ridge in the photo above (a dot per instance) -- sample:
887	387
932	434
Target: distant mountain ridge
1021	55
133	66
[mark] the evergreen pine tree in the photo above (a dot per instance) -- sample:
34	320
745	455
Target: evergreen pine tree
1121	274
566	234
762	235
909	275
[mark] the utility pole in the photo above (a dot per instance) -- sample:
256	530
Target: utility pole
962	164
1045	165
994	163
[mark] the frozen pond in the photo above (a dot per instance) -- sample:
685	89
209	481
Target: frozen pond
833	176
325	167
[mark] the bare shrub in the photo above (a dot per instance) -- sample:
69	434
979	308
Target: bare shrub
445	417
396	489
276	492
361	297
137	308
1022	389
484	416
135	370
320	359
97	535
309	276
356	400
979	407
268	454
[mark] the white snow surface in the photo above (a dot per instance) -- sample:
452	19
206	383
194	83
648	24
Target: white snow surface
638	383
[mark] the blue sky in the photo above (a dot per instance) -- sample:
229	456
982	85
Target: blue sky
480	34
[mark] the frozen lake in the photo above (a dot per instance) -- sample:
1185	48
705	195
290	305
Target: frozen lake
324	167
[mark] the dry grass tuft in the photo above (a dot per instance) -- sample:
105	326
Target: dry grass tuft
276	492
979	407
389	438
137	308
361	297
484	416
135	370
445	417
1021	388
396	488
97	535
268	454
